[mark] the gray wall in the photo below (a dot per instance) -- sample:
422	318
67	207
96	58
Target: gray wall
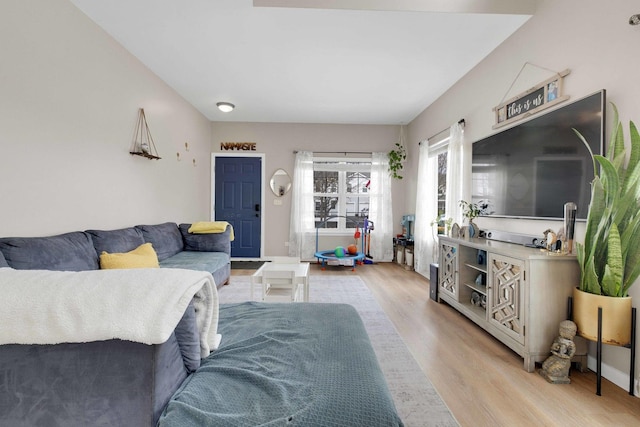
68	109
70	96
279	140
593	39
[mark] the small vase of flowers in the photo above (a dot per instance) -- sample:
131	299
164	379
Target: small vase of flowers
471	211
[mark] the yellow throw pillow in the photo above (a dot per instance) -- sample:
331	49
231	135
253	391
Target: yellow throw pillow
144	256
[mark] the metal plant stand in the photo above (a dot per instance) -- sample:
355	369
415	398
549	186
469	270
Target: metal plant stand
631	345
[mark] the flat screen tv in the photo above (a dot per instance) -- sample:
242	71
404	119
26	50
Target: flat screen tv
531	170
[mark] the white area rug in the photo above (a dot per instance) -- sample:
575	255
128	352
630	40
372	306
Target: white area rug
417	402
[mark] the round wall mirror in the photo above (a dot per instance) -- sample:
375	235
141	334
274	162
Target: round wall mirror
280	182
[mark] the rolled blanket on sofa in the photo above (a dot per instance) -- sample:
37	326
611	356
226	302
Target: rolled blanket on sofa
139	305
205	227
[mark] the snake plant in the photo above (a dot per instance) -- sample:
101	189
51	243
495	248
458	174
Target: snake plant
609	258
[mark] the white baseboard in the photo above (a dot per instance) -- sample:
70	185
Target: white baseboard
619	378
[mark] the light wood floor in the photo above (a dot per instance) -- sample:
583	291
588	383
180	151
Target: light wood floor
481	380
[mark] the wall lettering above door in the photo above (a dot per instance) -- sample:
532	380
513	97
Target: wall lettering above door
238	146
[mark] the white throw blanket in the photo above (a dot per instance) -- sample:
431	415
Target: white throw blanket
140	305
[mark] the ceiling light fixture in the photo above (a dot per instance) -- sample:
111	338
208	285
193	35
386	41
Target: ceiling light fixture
634	20
225	107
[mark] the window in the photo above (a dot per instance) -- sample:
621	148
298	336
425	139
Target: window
340	192
442	183
438	157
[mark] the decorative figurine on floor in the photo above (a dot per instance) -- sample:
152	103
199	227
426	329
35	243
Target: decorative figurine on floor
556	368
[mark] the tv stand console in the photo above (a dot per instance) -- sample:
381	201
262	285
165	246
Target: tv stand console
517	294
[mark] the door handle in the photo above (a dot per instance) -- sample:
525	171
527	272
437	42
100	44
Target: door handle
257	207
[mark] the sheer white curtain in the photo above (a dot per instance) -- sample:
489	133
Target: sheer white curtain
380	209
458	170
425	240
302	232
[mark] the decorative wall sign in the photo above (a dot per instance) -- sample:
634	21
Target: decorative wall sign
238	146
538	98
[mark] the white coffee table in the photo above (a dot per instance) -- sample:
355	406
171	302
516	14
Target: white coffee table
301	271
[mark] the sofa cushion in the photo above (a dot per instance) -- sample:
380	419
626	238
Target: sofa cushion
3	262
141	257
165	238
216	263
116	241
65	252
210	242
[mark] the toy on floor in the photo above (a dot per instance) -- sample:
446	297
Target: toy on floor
340	254
367	229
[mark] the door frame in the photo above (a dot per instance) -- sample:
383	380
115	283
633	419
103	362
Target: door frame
262	195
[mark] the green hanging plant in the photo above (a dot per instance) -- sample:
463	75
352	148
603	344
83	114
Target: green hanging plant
397	157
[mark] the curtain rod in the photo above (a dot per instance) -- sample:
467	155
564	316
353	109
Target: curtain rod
460	122
337	152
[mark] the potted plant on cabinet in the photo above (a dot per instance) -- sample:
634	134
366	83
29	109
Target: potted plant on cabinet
443	225
609	258
472	211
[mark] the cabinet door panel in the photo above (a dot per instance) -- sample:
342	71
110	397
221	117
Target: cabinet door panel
448	274
506	289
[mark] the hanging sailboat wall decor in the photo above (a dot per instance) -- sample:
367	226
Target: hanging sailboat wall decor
142	141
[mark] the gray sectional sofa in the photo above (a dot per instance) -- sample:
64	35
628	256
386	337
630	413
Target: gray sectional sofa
80	250
303	364
82	384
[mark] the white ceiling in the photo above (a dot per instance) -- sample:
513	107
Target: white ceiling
362	61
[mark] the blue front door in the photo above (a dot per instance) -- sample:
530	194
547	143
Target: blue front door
238	192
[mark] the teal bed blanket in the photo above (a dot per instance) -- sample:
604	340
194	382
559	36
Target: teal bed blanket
297	364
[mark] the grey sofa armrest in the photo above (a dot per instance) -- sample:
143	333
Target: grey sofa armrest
210	242
188	338
113	382
3	262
